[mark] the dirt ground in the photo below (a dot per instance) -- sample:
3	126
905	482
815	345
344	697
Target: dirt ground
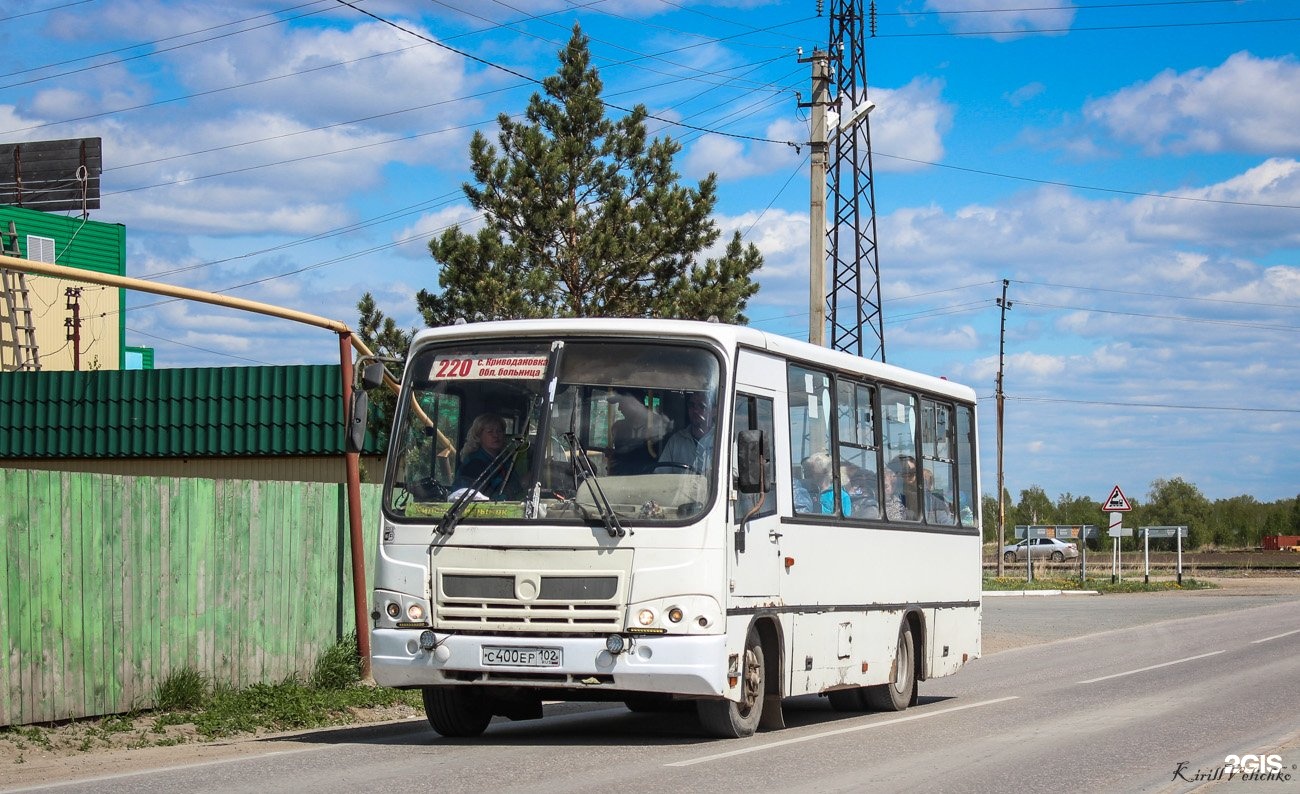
33	755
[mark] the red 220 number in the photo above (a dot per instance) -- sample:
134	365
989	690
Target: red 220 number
454	368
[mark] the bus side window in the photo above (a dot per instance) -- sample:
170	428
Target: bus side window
810	406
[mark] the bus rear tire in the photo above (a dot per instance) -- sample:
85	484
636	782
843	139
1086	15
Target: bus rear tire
899	693
729	719
457	711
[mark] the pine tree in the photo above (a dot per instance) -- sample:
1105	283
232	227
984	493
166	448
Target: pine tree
384	338
583	218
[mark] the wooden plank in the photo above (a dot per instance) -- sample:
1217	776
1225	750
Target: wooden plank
13	505
85	507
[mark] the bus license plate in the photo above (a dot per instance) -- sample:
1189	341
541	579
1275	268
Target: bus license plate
522	657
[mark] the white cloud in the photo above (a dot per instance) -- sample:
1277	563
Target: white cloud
908	125
1247	104
1002	22
1236	211
733	159
413	240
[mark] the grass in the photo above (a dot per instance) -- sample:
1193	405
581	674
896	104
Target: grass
1099	584
191	708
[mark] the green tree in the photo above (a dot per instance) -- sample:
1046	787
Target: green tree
584	218
384	338
1177	502
1237	521
1034	507
1082	510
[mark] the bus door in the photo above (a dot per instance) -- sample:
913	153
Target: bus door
755	546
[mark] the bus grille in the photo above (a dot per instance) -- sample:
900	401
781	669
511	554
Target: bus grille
529	602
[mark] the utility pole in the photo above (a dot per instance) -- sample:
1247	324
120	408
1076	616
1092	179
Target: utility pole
1002	343
73	324
821	83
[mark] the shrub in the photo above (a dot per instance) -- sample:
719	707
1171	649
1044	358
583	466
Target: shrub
338	667
185	689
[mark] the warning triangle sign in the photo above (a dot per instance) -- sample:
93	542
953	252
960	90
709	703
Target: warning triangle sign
1117	502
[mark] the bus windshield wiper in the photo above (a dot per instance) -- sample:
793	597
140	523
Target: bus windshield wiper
453	515
582	468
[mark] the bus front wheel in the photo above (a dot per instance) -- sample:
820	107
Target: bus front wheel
457	711
898	693
730	719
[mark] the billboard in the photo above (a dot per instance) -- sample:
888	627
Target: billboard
52	176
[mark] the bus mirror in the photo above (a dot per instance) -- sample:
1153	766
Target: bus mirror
751	462
357	419
373	375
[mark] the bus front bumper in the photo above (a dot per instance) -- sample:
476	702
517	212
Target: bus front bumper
684	665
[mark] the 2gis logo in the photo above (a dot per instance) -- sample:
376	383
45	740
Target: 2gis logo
1253	766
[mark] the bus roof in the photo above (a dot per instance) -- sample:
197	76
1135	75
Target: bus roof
730	337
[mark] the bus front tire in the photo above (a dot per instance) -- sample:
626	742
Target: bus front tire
899	693
730	719
457	711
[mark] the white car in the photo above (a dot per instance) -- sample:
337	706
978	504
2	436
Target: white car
1040	549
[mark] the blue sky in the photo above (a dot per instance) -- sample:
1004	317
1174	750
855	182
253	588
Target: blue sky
1132	168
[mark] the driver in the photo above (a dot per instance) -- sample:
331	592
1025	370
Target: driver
692	446
486	440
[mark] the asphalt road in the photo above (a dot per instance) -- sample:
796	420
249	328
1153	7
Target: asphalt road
1113	693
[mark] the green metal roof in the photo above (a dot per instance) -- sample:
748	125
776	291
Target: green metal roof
223	411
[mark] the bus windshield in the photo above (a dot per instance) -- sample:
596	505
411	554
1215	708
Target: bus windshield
568	431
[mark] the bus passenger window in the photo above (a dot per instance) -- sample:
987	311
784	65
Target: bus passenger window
898	442
811	465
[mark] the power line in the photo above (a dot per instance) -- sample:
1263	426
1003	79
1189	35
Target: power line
1172	406
12	17
1074	186
1085	29
1254	326
1157	295
172	340
159	51
521	75
1057	9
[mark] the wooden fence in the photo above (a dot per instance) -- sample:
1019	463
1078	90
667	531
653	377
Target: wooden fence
109	583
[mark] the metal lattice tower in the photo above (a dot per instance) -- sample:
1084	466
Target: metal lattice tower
857	325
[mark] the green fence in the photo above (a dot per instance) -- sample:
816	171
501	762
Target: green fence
109	583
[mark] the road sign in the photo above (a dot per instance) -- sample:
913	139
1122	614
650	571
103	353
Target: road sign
1164	532
1121	532
1059	531
1117	502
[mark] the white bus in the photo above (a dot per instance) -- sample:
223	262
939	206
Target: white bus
654	511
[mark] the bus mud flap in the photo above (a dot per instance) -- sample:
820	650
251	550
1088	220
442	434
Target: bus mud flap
772	718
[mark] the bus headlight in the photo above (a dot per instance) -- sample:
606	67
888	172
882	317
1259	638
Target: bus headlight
645	617
393	609
614	644
675	615
415	612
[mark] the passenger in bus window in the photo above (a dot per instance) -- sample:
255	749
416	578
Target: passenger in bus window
816	493
937	509
893	505
896	485
485	440
861	487
691	447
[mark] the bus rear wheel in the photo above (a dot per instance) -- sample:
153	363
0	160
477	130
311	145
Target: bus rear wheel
457	711
899	693
730	719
